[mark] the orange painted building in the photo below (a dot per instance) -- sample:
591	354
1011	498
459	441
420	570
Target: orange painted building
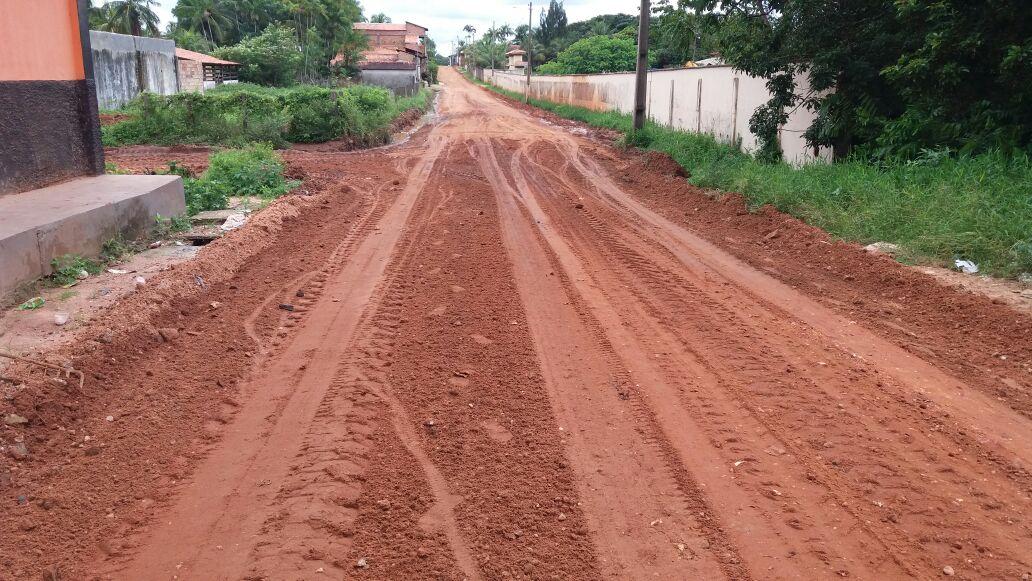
49	129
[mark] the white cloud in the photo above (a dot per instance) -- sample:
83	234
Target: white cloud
445	18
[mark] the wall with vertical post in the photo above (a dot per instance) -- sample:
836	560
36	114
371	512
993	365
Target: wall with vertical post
714	100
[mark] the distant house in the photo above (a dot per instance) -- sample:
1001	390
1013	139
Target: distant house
198	71
396	57
517	58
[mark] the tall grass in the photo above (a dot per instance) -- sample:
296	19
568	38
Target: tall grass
239	114
938	207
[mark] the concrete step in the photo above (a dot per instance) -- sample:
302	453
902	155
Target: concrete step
77	217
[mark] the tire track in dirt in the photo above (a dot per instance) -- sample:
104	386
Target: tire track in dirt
457	353
644	514
710	322
219	517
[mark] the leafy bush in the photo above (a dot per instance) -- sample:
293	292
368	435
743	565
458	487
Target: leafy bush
252	171
595	54
235	115
271	58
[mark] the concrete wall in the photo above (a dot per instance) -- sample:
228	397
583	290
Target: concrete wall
402	82
714	100
125	66
49	130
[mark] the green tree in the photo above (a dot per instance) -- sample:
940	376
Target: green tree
212	19
886	79
271	58
130	17
190	40
380	17
595	54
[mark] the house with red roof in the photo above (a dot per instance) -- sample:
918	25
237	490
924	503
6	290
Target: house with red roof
395	57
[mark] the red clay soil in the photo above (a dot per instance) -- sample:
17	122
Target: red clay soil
507	350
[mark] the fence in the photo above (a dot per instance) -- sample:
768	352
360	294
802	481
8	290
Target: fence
124	66
714	100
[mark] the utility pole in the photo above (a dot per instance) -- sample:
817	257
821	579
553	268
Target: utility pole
530	52
642	71
491	37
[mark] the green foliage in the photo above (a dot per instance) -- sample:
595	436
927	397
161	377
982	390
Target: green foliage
114	249
271	58
136	17
235	115
888	79
938	206
316	31
252	171
69	268
595	54
165	227
190	40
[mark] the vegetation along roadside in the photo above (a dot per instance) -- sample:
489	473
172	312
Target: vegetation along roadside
235	115
938	207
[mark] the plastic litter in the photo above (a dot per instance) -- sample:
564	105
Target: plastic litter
966	266
61	318
233	222
32	304
140	281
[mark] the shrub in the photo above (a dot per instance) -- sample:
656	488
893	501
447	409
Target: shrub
252	171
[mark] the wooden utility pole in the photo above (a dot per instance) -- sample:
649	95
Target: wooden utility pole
640	84
530	52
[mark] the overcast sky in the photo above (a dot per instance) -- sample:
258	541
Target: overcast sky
445	18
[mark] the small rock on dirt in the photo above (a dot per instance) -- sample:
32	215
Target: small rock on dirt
883	248
18	451
286	306
15	420
168	334
361	563
948	571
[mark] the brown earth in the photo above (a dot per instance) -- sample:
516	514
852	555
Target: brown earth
510	351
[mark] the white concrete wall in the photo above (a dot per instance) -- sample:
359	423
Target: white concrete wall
713	100
121	62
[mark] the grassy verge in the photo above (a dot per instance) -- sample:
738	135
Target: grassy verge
938	207
235	115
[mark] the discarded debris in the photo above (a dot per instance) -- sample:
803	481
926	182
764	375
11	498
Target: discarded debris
65	371
117	271
140	281
61	318
286	306
233	222
966	266
32	304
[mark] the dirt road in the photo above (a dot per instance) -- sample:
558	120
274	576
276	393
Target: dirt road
513	352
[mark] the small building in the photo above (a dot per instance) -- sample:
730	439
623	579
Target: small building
396	58
199	72
517	58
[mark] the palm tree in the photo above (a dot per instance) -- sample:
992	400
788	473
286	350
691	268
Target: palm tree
208	17
131	17
503	32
